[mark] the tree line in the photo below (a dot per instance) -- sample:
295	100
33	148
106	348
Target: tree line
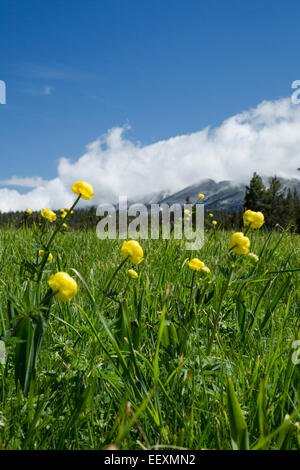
279	205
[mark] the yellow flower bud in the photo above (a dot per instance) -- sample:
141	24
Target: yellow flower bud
247	217
64	225
214	222
195	264
133	250
50	256
239	243
254	219
201	196
83	189
253	257
205	270
132	273
64	286
258	220
48	214
211	214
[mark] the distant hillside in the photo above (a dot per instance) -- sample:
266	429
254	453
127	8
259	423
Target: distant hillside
225	195
222	195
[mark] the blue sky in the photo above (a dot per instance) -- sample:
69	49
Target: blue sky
75	69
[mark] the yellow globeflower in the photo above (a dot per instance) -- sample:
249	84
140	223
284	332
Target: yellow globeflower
195	264
133	251
50	256
211	214
247	217
29	211
201	196
64	225
214	222
63	214
83	189
258	220
132	273
239	243
48	214
63	285
254	219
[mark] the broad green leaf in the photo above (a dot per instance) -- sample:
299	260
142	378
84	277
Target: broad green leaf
238	426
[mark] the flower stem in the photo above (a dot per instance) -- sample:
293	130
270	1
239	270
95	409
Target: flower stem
45	257
225	254
191	296
247	230
110	281
60	224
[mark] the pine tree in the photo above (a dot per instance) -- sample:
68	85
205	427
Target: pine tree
296	201
289	209
273	202
254	194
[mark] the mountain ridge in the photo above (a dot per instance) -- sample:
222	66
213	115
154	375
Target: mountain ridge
222	195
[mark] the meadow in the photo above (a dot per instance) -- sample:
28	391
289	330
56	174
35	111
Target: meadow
175	358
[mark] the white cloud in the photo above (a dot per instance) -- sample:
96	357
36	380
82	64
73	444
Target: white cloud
265	139
27	182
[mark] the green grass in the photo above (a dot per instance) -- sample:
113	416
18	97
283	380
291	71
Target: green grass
154	363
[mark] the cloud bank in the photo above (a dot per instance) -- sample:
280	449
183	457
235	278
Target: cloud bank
265	139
